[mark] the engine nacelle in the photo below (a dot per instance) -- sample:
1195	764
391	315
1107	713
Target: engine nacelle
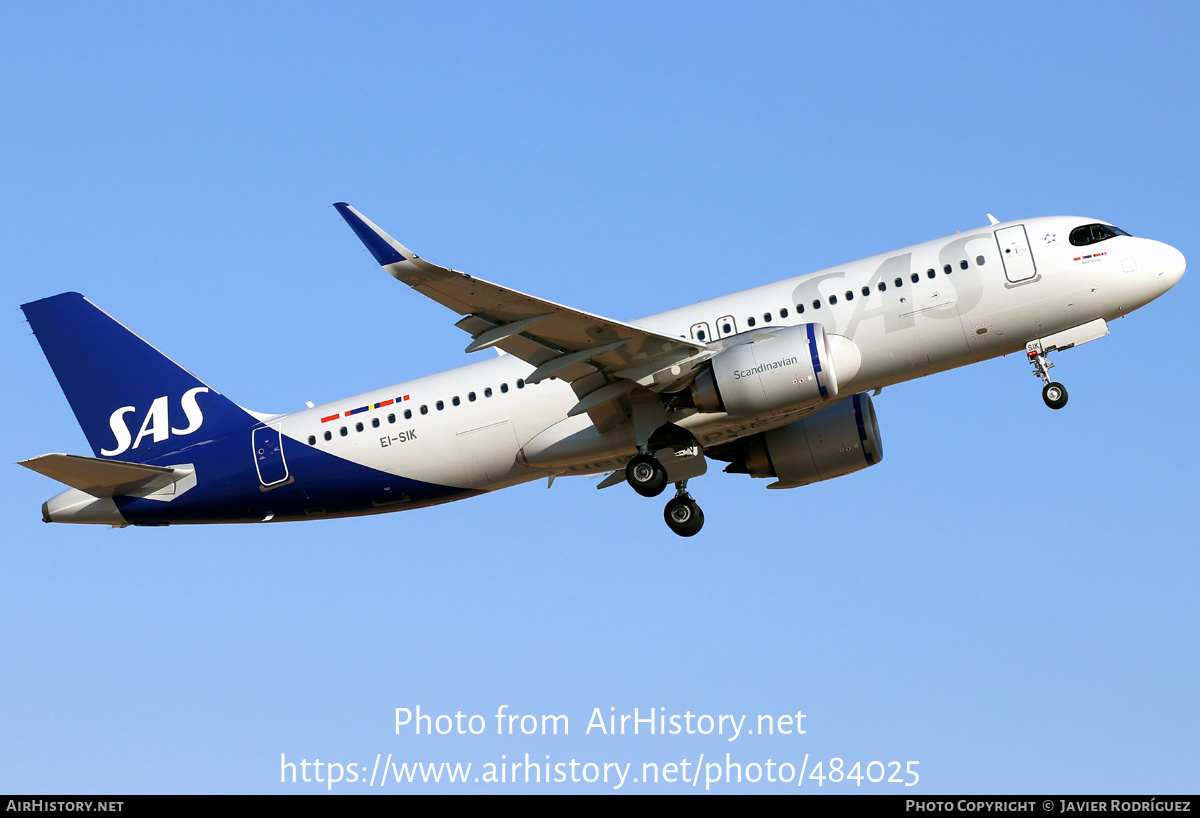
773	371
839	440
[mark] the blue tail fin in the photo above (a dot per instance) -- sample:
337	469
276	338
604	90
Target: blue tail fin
133	402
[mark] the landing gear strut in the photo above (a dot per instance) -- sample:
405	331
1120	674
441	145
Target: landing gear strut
682	514
1053	393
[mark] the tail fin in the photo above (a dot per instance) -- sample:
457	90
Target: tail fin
132	401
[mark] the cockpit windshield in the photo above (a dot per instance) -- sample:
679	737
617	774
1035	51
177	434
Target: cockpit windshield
1092	233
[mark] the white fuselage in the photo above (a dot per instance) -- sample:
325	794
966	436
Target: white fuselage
942	304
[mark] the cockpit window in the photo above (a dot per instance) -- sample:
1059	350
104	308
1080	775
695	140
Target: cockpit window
1092	233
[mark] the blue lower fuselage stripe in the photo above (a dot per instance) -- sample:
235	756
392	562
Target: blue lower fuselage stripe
320	484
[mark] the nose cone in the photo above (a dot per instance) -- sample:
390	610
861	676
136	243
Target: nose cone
1171	265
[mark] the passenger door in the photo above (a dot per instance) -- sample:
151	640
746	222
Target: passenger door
1015	253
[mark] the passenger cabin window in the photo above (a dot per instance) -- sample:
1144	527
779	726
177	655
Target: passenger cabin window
783	313
503	388
312	440
487	393
947	269
408	414
455	400
1092	233
866	290
750	320
899	282
915	277
932	273
375	423
800	309
816	303
979	260
832	300
882	286
441	405
329	435
962	264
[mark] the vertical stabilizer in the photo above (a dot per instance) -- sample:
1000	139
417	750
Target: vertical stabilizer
133	402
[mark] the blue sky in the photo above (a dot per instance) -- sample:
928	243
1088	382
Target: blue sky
1008	598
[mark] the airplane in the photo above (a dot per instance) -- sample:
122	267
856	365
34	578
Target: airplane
776	381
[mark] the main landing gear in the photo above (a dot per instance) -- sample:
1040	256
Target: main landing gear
648	477
1053	393
682	514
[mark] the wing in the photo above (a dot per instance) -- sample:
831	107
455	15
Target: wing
603	360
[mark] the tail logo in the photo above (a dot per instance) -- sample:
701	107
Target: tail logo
156	424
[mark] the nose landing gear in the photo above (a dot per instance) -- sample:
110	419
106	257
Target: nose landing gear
1053	393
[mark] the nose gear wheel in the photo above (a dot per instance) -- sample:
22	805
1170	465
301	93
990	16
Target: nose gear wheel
1055	395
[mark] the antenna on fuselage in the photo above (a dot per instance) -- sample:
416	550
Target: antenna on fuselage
993	219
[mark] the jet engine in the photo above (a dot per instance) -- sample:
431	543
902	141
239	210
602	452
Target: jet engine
839	440
772	371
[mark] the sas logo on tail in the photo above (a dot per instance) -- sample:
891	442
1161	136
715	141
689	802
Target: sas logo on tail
157	423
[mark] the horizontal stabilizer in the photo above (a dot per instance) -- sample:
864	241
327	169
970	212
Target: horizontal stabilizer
103	478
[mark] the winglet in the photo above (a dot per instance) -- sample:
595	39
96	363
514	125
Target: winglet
385	248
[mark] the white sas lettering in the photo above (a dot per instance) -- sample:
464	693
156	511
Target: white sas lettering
157	422
120	431
191	410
